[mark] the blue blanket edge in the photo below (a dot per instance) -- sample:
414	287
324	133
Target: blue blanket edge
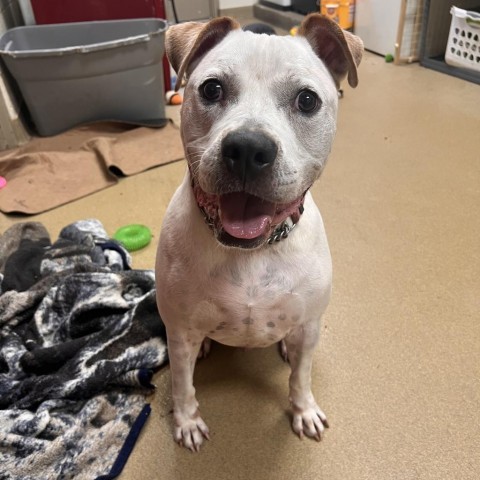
129	444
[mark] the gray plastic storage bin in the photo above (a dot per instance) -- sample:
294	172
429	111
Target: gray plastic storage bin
75	73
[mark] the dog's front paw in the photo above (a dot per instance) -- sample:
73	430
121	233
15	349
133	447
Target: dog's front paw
309	421
190	432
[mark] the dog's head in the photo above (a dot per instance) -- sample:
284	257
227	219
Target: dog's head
258	118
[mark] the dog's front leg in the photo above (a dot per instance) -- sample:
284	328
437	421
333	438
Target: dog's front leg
308	419
189	429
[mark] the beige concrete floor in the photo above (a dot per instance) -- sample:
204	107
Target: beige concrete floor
398	368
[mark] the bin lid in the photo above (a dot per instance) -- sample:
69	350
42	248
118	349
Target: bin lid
79	37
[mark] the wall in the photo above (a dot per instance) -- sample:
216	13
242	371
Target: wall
224	4
201	9
10	14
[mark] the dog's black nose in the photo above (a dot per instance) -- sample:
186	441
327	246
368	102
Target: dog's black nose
247	153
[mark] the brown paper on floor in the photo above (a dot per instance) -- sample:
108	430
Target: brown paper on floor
48	172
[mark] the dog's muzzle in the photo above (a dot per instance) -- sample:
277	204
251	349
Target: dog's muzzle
243	220
240	219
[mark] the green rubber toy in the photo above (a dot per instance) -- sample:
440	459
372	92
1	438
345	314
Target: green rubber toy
133	237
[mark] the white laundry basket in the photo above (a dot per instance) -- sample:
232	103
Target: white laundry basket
463	47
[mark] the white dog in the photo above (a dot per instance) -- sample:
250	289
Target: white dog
258	122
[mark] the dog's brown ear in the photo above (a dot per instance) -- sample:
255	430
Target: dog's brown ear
340	50
187	42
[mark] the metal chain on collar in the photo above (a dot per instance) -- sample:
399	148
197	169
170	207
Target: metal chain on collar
281	231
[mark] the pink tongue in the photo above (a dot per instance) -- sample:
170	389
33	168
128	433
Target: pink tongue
244	215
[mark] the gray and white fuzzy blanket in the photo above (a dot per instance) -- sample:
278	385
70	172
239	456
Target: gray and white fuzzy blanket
79	338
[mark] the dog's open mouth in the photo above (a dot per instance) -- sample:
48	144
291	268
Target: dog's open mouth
243	220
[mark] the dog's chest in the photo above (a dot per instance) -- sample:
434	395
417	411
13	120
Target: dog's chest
251	305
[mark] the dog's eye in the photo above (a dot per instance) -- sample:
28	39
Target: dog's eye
212	90
307	101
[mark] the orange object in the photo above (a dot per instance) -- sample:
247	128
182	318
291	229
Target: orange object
173	98
340	11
